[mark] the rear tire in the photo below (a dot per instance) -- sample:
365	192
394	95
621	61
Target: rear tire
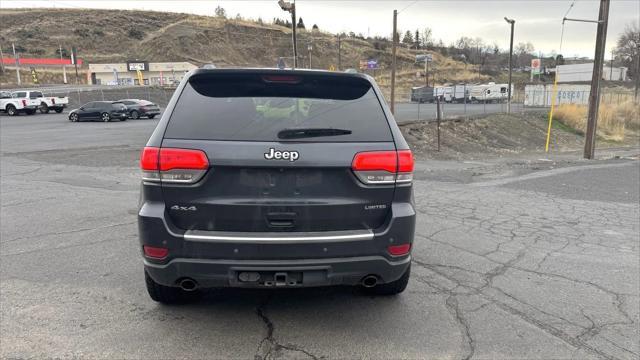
163	294
44	109
392	288
135	115
105	117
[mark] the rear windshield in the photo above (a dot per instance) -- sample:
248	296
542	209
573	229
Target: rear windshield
257	107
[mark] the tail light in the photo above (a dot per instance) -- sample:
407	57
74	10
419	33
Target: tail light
399	250
24	102
155	252
171	165
53	101
383	167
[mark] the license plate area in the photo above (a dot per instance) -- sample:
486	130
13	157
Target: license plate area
278	278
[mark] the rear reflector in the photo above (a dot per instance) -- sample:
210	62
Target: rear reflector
155	252
398	250
173	165
383	167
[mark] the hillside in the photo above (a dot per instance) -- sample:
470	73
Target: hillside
119	35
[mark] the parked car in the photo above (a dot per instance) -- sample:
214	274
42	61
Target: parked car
48	103
99	110
140	108
17	102
276	179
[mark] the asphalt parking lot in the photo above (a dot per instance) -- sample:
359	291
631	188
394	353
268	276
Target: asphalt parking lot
538	266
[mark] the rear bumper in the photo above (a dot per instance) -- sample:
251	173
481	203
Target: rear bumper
307	273
215	259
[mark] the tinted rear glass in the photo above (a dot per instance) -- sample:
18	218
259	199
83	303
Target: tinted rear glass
250	108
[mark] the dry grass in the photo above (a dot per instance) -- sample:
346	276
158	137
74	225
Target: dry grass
613	119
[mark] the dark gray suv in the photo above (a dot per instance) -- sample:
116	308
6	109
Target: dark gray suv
275	179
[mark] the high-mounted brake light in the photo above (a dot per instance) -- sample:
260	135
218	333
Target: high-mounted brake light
173	165
283	79
383	167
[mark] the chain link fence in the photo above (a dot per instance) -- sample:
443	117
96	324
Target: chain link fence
79	96
522	102
405	110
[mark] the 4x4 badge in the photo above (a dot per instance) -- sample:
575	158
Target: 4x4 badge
184	208
274	154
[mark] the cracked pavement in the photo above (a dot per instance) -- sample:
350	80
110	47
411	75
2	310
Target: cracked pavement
536	263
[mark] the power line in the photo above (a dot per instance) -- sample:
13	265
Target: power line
406	7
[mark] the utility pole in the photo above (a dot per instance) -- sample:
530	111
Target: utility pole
339	53
1	60
512	22
74	60
310	48
64	68
291	8
393	61
637	74
594	96
15	56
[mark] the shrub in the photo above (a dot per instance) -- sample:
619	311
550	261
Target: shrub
613	119
135	34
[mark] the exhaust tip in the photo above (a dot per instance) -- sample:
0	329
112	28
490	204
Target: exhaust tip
369	281
188	285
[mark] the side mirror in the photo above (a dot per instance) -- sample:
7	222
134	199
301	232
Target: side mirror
81	108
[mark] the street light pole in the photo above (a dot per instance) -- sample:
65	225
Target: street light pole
291	8
512	22
393	61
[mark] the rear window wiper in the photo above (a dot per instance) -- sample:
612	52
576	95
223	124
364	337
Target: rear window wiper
310	132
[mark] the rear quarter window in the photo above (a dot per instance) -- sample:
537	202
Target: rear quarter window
254	110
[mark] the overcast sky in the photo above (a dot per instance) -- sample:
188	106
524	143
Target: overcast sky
537	21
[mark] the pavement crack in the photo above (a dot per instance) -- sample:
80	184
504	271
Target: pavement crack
67	232
269	347
454	308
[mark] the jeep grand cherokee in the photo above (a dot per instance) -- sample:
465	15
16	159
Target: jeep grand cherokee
275	179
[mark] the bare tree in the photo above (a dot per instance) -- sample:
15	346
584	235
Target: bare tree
627	50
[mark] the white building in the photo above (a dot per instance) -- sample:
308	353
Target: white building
583	72
166	73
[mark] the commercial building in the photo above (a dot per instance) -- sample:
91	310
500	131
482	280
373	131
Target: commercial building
130	73
583	72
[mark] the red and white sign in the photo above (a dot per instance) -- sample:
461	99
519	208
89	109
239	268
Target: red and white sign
535	66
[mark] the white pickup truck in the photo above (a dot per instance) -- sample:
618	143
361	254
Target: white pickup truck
18	102
48	103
